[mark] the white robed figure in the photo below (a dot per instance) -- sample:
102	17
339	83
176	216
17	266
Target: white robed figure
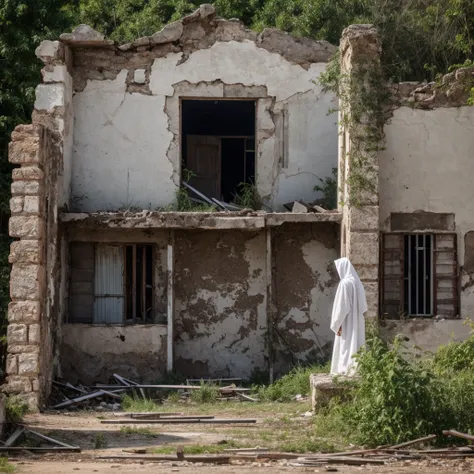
347	320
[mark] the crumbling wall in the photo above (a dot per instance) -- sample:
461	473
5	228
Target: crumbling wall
220	312
127	115
92	353
427	167
305	280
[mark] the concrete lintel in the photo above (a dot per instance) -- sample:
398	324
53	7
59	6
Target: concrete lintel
192	220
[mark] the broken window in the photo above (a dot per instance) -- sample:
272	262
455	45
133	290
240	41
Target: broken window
112	285
218	145
419	275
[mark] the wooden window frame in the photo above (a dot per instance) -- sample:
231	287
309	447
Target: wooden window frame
398	254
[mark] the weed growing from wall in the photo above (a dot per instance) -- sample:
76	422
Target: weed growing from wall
362	96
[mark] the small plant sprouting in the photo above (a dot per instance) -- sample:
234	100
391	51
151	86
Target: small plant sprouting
16	409
206	394
100	441
328	188
247	196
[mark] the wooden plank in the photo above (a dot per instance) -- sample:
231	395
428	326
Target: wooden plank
193	458
167	387
457	434
154	416
215	421
11	449
415	441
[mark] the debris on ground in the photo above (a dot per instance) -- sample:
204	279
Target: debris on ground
104	397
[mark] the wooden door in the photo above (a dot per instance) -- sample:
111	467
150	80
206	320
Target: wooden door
204	160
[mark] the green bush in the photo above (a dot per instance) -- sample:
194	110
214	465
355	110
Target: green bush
286	388
208	393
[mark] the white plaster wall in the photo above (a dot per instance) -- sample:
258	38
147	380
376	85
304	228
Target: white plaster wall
123	153
92	353
428	165
426	335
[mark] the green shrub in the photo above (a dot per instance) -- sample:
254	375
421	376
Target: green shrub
208	393
16	408
287	387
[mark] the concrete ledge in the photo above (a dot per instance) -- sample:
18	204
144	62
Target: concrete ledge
326	386
193	220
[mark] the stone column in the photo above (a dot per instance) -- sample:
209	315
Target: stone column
27	256
360	57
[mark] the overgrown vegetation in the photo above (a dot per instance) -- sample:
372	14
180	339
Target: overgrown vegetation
5	466
100	442
141	431
247	196
135	403
296	382
400	398
208	393
328	188
16	408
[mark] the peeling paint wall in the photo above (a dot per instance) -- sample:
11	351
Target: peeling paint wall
305	281
92	353
126	145
220	290
428	166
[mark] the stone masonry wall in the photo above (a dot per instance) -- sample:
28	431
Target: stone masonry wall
360	48
27	256
40	185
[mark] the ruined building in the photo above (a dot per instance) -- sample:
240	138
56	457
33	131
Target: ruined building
107	277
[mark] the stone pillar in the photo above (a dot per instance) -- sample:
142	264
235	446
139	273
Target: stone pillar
40	185
360	60
27	256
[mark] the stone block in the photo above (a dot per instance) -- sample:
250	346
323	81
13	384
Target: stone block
27	188
58	74
20	349
28	364
25	151
17	384
12	364
25	130
363	248
367	272
27	173
364	218
49	51
26	227
26	251
16	204
83	33
34	334
139	76
49	96
24	312
17	334
33	205
168	34
372	296
26	281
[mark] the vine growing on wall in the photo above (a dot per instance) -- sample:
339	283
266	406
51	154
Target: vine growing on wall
362	97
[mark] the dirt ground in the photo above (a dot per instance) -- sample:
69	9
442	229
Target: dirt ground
278	426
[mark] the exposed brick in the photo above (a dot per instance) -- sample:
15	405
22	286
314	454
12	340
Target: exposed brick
24	312
26	227
17	334
27	173
17	384
12	364
27	188
34	335
26	281
26	251
21	349
25	151
33	205
16	204
28	364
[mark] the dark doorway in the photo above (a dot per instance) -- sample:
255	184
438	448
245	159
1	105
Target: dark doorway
218	143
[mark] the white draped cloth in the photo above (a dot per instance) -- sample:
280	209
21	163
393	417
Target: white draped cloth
348	311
